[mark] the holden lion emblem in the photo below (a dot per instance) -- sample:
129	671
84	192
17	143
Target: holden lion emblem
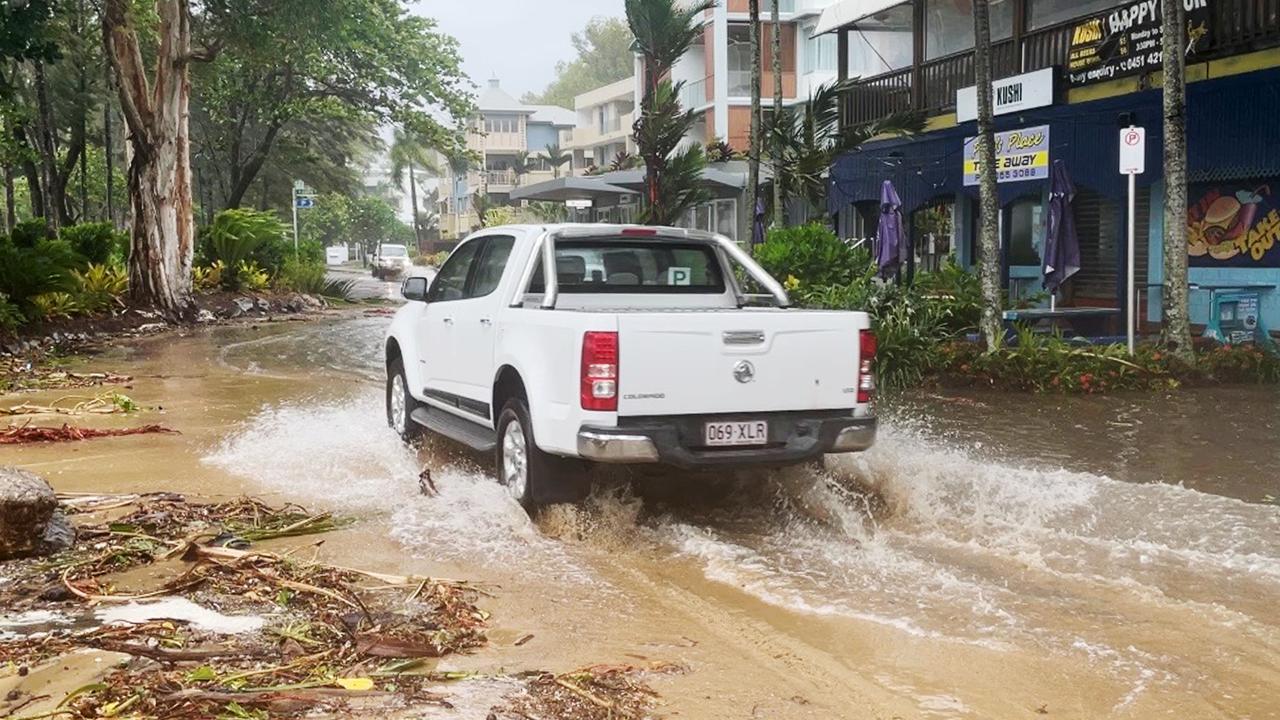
744	372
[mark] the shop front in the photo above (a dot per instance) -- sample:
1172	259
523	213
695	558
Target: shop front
1233	196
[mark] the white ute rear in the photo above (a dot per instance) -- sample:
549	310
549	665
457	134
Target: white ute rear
647	345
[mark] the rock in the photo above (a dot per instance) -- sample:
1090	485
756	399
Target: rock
29	524
244	304
150	328
263	305
204	316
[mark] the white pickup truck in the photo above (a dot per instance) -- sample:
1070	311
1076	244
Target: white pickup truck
646	345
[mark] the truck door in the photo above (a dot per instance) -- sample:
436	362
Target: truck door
436	337
475	330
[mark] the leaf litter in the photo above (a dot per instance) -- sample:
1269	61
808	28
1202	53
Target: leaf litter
330	639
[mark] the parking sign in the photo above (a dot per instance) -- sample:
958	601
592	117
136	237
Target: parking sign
1133	151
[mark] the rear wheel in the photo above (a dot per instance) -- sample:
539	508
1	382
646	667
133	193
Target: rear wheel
531	476
401	403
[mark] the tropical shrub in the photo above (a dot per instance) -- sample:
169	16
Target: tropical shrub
99	243
45	266
10	316
248	276
208	277
52	305
301	276
29	232
100	287
241	239
495	216
814	255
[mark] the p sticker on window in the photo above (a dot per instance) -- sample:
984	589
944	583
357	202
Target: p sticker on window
680	276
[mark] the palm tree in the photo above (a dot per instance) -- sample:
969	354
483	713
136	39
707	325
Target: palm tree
753	153
557	158
988	203
481	204
521	165
807	140
664	30
1177	318
408	152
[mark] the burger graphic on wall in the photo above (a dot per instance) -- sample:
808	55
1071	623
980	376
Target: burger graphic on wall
1219	222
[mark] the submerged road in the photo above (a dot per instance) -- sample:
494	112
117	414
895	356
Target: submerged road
993	557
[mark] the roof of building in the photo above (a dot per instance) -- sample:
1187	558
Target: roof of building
553	115
495	99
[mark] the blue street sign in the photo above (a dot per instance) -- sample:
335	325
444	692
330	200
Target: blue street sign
304	203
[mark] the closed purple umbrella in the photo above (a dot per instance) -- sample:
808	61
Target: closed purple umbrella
889	240
1061	244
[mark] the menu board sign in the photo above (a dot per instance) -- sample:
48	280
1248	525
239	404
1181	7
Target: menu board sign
1128	41
1020	155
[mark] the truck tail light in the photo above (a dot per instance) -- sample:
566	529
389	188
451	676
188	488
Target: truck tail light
600	371
866	366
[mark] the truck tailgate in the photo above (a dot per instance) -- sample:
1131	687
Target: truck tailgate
740	361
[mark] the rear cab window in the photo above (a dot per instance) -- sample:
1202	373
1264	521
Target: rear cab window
633	267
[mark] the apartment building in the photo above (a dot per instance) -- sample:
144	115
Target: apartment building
717	71
605	117
503	132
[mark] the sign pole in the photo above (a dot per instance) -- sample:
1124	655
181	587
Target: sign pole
1133	162
1132	303
295	221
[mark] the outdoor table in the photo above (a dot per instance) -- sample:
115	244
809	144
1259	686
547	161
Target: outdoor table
1235	312
1086	321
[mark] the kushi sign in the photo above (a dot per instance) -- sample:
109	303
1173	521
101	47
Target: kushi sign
1128	41
1010	95
1020	155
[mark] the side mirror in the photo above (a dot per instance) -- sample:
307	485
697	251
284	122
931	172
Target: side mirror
414	289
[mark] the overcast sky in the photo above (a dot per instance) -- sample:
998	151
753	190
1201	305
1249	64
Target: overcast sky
519	40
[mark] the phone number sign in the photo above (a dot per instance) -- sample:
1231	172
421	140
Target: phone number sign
1020	155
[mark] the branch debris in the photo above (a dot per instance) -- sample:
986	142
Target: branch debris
26	434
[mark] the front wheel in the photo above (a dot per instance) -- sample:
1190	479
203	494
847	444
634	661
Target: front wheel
401	403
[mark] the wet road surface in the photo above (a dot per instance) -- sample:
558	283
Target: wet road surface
993	556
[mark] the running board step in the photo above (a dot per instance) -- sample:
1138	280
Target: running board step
476	437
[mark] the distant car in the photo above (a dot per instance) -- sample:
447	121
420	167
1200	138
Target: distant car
646	345
391	261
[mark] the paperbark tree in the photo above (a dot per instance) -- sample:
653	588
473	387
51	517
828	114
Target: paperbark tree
778	210
159	176
1177	318
753	153
990	325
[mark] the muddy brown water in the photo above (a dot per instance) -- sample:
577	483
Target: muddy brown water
993	557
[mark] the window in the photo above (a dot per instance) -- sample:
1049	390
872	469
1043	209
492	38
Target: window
740	59
613	266
881	43
1026	231
718	216
392	251
949	26
492	264
501	125
820	52
451	281
1043	13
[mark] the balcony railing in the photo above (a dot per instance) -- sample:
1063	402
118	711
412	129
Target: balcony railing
1237	26
693	94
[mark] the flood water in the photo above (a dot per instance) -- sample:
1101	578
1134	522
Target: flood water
993	557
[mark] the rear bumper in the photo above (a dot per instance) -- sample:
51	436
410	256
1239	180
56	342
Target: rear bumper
678	440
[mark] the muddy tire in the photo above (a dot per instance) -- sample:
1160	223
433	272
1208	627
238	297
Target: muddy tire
401	403
532	477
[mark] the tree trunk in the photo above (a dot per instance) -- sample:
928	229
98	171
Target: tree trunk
243	175
108	149
10	212
48	149
413	198
756	146
991	324
163	232
1177	317
778	210
35	188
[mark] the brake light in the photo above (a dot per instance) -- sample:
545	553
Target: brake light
866	366
638	232
600	371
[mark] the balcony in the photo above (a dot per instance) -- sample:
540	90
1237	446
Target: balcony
694	95
1237	26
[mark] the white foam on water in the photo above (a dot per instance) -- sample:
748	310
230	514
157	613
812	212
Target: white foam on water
342	456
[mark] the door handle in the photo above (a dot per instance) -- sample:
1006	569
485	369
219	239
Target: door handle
447	321
486	321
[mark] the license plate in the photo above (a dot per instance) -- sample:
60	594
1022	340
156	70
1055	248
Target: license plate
750	432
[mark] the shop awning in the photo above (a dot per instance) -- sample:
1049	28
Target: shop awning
722	174
847	12
570	188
